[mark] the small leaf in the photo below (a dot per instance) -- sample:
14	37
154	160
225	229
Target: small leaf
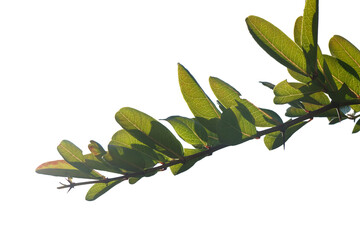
182	167
267	84
277	44
346	52
96	149
98	189
298	30
149	131
309	35
286	92
275	139
236	126
199	103
356	127
61	168
73	155
189	130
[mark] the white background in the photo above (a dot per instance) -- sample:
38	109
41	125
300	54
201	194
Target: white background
66	68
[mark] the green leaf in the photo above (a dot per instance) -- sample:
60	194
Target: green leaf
99	189
356	127
73	155
275	139
268	84
100	163
61	168
182	167
128	159
346	52
189	130
277	44
342	73
308	107
149	131
309	35
226	94
199	103
298	30
123	138
286	92
299	77
236	126
230	97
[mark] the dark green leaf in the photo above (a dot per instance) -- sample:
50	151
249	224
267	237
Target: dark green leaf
129	160
277	44
149	131
199	103
180	168
275	139
267	84
309	35
236	126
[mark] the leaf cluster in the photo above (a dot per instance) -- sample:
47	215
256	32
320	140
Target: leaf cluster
324	86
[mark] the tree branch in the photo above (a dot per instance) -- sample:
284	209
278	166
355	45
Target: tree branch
210	151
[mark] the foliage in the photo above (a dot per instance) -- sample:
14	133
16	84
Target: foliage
325	86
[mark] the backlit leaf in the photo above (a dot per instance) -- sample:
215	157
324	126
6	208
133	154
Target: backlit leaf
286	92
129	159
199	103
275	139
149	131
309	35
226	94
230	97
298	30
125	139
277	44
346	52
73	155
236	126
99	189
343	73
189	130
61	168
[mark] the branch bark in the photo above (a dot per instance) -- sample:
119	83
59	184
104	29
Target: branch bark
210	151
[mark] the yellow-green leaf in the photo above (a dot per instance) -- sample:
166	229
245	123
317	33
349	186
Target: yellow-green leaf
277	44
99	189
149	131
199	103
345	51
